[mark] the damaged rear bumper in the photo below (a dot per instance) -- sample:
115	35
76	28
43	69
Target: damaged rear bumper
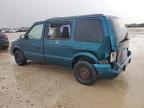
108	71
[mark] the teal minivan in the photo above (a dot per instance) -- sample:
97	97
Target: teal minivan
95	46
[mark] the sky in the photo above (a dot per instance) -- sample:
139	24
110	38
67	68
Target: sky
18	13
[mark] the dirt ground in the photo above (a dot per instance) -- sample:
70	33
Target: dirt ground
47	86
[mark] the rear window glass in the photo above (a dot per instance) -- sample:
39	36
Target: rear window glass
89	30
119	28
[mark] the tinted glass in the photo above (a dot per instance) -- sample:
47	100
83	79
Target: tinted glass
119	28
89	30
36	32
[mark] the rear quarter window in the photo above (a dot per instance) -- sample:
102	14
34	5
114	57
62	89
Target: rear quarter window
89	30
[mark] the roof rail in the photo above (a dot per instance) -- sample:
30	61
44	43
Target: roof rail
79	16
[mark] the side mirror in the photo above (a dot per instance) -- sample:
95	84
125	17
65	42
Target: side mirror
24	36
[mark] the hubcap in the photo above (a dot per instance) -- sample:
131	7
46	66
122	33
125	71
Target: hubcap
84	73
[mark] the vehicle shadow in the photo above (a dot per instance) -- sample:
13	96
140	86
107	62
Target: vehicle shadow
120	83
47	83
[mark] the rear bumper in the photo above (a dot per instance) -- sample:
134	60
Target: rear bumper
107	71
4	43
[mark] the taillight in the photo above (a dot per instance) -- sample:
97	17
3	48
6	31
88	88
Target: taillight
113	57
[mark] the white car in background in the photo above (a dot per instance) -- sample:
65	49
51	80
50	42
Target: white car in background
13	30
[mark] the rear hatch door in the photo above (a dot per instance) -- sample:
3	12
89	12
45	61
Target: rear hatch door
122	39
122	52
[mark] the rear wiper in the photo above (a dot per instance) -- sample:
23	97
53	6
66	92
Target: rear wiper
122	41
125	39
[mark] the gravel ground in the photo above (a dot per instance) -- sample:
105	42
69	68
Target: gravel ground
48	86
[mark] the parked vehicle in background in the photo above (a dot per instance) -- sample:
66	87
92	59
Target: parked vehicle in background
95	46
13	30
4	30
4	43
23	29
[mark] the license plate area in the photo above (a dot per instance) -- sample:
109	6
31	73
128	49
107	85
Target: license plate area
122	55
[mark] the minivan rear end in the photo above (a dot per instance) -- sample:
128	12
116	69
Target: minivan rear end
120	54
122	40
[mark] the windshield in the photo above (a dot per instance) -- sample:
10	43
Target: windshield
119	29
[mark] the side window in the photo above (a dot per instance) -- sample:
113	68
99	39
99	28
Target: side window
59	31
36	32
89	30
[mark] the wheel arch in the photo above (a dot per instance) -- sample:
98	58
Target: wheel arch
17	48
86	56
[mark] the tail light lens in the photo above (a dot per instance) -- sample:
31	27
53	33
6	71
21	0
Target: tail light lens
113	57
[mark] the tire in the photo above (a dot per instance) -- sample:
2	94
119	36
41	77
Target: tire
84	73
19	58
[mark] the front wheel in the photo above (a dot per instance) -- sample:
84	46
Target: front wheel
85	73
19	58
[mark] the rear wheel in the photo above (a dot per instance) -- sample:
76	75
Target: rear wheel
19	58
85	73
